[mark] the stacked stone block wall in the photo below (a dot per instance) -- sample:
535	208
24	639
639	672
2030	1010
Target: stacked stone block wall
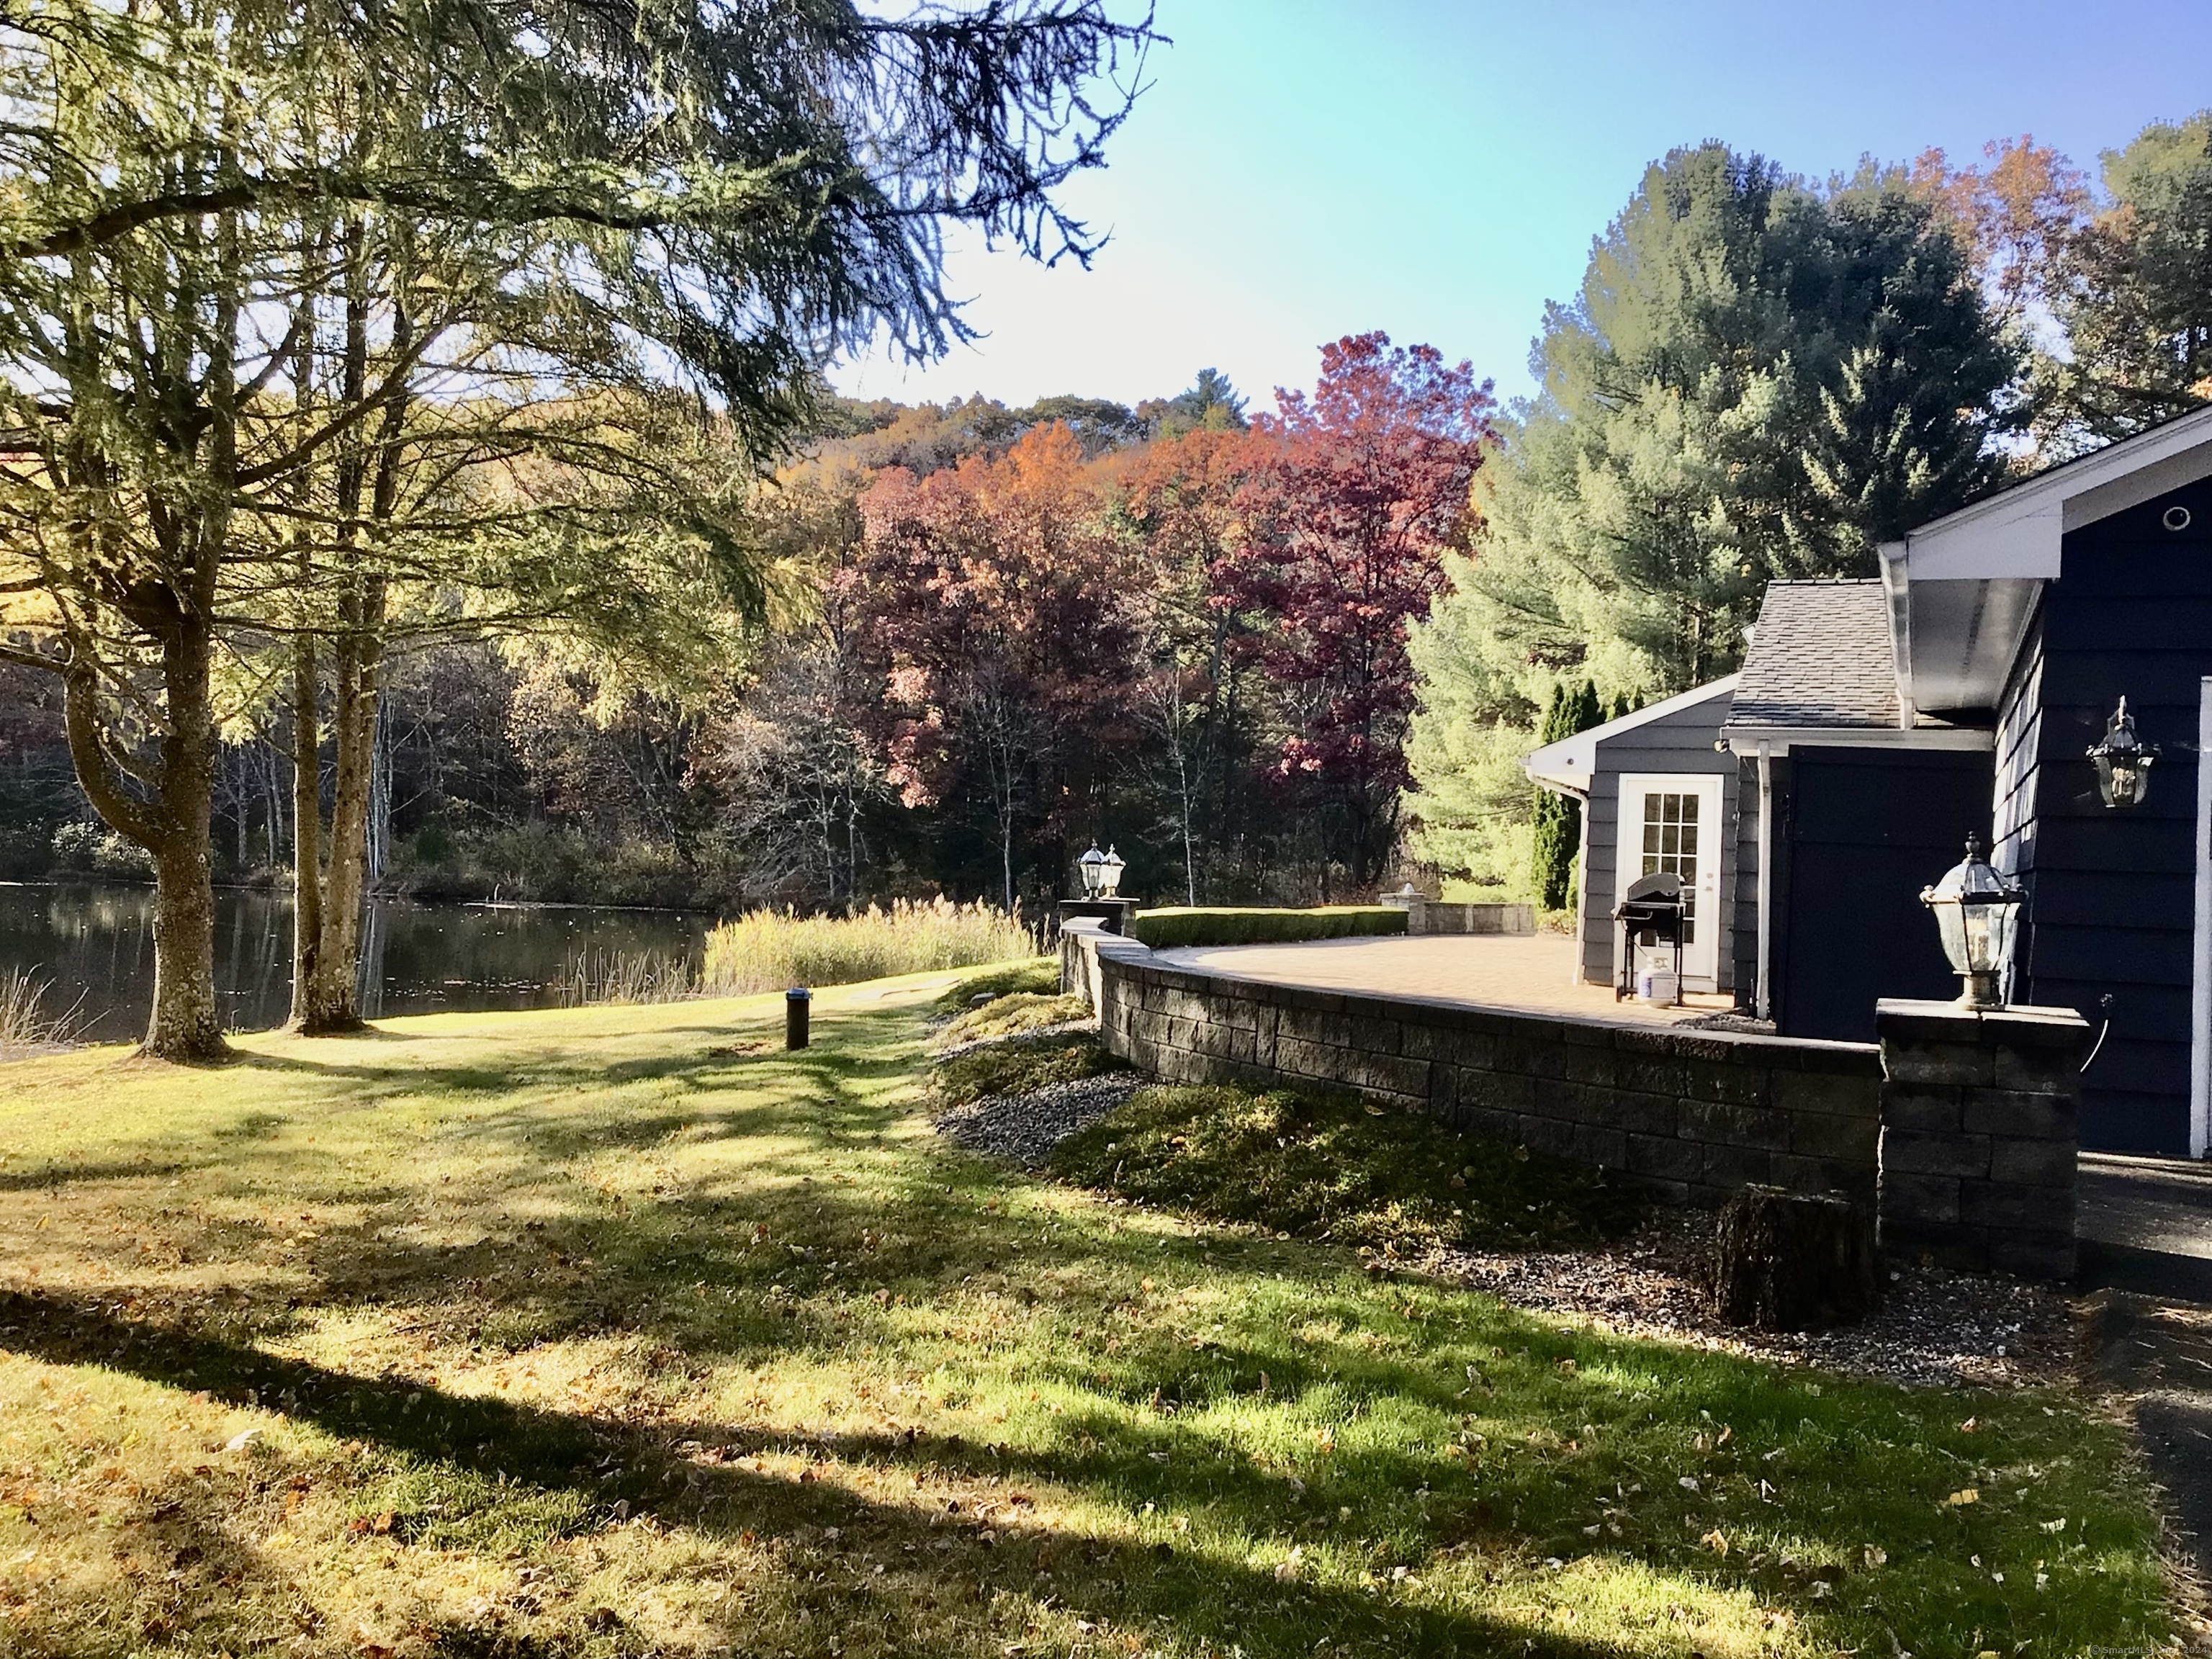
1978	1142
1693	1116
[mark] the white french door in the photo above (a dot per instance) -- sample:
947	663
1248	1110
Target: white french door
1672	821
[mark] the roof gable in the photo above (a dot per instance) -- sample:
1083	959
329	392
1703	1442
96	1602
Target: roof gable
1571	763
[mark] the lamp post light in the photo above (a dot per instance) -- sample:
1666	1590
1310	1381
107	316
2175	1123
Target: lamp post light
2123	761
1978	915
1091	867
1109	874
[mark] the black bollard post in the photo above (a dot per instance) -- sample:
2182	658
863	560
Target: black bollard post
796	1003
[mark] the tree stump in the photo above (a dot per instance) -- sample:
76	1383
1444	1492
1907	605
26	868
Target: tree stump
1792	1262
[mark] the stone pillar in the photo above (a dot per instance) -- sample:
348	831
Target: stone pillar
1977	1138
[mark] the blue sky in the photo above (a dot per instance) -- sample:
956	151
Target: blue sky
1302	169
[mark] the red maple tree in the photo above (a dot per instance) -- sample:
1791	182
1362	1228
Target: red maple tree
993	603
1354	495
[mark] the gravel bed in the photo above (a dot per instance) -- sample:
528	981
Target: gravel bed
1025	1127
1933	1329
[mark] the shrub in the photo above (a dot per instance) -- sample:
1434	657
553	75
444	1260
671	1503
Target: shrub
1328	1167
768	949
90	848
1164	930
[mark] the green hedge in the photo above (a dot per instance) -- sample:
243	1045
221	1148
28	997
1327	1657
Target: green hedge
1164	930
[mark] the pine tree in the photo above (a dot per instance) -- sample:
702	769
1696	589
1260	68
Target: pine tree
1558	817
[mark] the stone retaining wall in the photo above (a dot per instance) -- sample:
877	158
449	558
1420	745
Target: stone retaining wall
1692	1114
1425	915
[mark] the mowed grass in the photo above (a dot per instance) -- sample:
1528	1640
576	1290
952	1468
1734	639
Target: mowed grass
619	1332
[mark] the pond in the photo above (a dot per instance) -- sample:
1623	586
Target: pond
95	943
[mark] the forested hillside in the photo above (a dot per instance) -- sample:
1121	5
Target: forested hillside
1282	648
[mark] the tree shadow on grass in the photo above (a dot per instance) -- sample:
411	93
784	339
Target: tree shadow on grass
608	1474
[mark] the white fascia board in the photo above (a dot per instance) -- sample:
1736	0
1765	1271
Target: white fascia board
1745	738
2016	532
1571	763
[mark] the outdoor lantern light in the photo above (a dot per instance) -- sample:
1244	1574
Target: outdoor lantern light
1977	911
2123	761
1092	868
1109	874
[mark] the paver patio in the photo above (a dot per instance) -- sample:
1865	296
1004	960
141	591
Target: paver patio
1529	974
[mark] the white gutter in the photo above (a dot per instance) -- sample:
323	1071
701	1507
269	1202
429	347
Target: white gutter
1749	739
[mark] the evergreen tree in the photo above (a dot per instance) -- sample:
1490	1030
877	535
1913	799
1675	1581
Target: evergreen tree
205	208
1558	818
2134	292
1759	378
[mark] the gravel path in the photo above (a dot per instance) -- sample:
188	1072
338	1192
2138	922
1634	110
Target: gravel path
1026	1127
1933	1329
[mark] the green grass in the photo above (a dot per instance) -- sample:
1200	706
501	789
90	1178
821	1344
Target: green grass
1017	1067
1326	1167
599	1333
1013	1015
1168	928
1032	976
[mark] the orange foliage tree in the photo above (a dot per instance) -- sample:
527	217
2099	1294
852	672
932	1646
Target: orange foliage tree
995	606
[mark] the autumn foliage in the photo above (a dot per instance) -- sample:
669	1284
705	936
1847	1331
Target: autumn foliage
1218	618
1354	496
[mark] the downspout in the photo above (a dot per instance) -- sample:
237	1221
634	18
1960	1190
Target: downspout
1765	999
1582	889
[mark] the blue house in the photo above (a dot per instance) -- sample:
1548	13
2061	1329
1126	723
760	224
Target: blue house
1876	723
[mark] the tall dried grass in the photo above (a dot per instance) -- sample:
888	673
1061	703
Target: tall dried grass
768	950
25	1025
625	977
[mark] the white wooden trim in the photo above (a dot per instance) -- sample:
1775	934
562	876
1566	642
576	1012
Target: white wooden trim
1764	1002
1701	961
1571	763
2200	972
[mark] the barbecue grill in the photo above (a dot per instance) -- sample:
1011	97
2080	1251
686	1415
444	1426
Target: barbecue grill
1652	913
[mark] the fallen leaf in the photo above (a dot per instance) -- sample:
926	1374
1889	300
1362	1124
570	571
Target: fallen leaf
1964	1495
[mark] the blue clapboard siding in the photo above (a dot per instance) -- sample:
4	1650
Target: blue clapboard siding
2113	893
1681	742
1745	933
1860	832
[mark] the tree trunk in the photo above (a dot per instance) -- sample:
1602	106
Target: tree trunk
1792	1262
187	1024
306	834
176	829
331	1003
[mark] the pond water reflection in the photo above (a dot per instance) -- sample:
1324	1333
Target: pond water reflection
95	943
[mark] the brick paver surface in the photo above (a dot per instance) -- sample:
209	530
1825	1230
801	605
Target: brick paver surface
1531	974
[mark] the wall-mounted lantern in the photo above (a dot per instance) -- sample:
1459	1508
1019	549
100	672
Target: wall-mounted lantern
1101	872
1978	915
2123	761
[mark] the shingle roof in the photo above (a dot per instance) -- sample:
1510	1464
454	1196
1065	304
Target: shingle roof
1820	657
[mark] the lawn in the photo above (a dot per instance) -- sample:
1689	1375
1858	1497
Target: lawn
623	1331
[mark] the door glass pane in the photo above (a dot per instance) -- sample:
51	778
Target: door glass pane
1670	843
